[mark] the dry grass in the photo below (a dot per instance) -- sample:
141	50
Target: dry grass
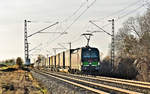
19	82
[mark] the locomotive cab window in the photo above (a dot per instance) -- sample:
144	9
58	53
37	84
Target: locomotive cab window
91	54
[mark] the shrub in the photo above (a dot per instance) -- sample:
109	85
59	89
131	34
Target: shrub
19	62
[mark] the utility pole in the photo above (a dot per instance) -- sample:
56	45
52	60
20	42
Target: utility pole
112	39
26	36
70	53
113	43
26	44
70	45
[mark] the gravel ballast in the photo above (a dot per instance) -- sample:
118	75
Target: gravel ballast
55	86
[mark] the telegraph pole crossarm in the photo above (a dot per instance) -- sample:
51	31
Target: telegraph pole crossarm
100	28
43	29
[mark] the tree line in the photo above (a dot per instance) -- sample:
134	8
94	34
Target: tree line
133	46
10	62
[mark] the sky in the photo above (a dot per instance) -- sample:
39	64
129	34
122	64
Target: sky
73	17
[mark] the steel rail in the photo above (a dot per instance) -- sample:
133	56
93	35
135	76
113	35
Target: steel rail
120	81
124	80
97	84
76	84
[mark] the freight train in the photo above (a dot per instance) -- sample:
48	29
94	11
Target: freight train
85	59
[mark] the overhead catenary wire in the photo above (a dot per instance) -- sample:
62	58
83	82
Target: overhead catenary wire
117	12
74	13
106	25
131	12
79	16
74	21
35	47
124	15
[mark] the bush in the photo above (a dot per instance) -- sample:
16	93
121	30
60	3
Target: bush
19	62
126	69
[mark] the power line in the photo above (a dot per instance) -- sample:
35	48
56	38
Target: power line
74	21
131	12
131	5
79	16
117	19
74	13
84	12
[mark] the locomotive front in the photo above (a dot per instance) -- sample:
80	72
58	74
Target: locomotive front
90	59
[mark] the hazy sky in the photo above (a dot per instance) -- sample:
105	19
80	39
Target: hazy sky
43	13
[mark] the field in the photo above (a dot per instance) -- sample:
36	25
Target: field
17	81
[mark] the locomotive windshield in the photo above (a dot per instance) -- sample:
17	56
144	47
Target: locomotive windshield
86	54
90	54
94	54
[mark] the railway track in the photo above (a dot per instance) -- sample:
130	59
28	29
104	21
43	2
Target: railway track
138	86
89	83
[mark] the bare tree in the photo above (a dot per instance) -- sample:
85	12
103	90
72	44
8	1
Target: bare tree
133	41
